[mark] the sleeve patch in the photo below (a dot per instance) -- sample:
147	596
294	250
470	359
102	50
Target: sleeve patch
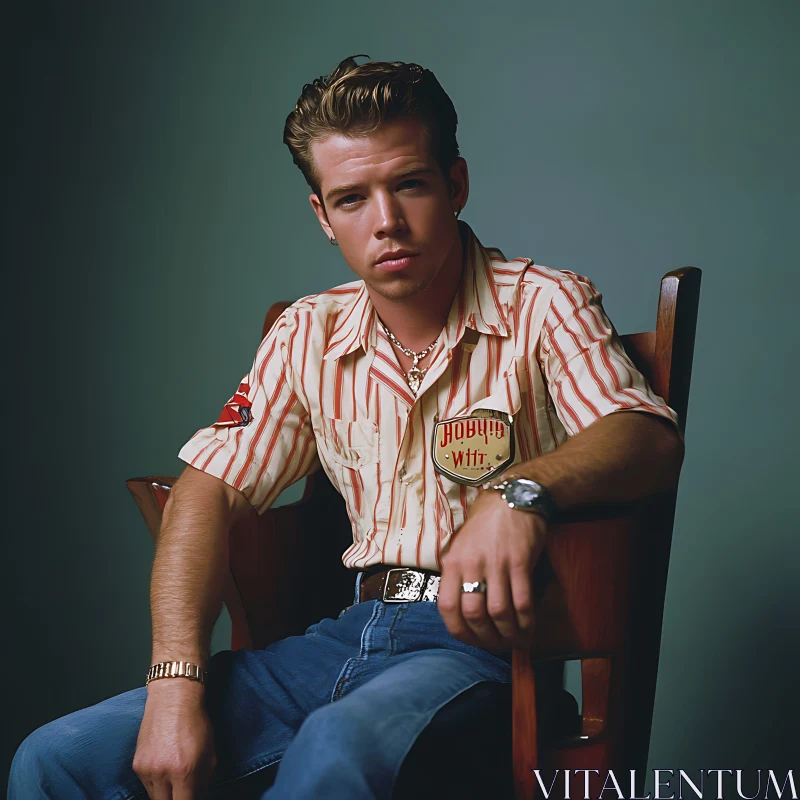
237	412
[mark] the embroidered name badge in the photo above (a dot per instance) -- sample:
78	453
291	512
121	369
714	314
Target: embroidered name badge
474	449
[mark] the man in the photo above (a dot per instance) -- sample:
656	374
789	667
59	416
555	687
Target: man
444	371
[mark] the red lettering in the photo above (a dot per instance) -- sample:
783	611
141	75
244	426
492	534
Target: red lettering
447	435
458	457
459	431
482	430
470	428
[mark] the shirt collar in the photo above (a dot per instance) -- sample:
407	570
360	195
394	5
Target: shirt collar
476	305
355	325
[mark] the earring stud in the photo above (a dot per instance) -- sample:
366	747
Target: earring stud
334	242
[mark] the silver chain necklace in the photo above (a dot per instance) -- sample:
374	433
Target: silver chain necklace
415	375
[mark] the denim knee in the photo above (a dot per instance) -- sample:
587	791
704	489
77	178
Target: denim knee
334	755
86	753
338	730
36	763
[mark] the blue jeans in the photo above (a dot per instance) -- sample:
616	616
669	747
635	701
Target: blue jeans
338	709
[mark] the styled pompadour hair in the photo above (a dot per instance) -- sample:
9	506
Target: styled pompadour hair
356	99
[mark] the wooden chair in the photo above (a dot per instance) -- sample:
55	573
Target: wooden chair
600	585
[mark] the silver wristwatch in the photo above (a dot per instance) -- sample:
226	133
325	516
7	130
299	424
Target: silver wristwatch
526	495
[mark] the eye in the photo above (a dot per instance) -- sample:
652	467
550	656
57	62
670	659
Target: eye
347	201
411	183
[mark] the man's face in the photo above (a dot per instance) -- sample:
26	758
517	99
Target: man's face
385	192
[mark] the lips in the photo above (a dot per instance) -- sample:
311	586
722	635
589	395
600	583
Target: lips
394	255
393	260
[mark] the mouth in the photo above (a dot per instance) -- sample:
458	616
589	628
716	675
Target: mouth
395	260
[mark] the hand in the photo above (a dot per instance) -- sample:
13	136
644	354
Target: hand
175	756
499	546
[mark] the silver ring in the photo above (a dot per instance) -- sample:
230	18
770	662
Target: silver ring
473	586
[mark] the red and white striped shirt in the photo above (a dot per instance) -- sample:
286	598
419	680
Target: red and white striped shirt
327	390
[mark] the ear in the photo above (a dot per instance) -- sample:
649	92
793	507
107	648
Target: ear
459	184
319	210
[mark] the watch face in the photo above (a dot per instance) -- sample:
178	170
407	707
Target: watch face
523	493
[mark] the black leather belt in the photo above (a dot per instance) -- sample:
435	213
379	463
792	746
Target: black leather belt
400	585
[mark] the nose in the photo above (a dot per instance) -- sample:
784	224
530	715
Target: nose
389	218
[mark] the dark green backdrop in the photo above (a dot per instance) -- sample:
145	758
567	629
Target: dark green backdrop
153	214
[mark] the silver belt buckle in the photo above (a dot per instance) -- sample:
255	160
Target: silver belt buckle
431	593
403	585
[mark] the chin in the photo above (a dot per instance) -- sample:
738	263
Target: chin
400	287
400	290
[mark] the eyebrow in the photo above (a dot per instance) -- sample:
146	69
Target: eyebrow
350	187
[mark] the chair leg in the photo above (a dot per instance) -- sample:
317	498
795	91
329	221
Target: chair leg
524	744
596	688
596	751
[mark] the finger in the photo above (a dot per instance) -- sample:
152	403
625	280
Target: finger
500	605
159	790
187	791
194	786
148	787
522	594
473	609
449	605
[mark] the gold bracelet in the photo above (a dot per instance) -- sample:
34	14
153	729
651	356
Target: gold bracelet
176	669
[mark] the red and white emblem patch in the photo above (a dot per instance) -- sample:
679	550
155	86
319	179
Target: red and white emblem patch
237	411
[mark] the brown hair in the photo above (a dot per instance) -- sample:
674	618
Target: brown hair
356	99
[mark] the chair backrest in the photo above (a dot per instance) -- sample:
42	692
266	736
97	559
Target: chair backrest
664	356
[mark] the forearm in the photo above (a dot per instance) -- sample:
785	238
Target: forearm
190	567
620	458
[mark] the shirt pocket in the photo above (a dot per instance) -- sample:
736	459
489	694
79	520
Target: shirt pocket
353	444
351	452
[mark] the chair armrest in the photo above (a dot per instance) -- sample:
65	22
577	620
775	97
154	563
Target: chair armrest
151	495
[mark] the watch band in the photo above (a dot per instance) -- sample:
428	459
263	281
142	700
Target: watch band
176	669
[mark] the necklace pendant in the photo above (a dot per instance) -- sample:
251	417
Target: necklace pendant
415	376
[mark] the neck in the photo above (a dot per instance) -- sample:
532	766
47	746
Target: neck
416	321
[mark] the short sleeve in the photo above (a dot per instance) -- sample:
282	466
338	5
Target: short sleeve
588	372
262	441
